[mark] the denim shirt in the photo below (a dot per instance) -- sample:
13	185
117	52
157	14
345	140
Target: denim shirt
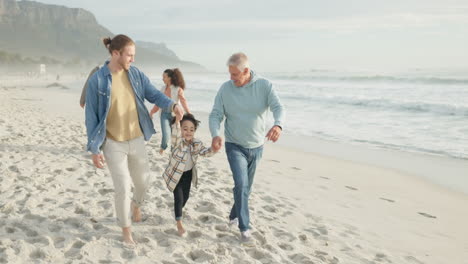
98	104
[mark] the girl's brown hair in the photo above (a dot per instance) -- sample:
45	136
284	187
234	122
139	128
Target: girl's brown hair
177	79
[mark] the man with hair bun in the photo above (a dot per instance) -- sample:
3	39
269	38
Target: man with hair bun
118	123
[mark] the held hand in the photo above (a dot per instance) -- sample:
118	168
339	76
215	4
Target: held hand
216	143
179	113
98	160
274	133
154	111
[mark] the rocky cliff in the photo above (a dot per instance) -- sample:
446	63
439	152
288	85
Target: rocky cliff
35	29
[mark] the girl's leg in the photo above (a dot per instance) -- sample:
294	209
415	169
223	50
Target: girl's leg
178	201
165	130
186	186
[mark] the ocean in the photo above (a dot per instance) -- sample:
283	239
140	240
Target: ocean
414	111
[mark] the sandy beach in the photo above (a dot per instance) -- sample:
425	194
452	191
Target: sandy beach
55	207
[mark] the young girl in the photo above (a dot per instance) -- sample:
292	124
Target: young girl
182	170
174	86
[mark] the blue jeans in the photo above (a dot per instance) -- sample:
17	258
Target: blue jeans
166	118
243	162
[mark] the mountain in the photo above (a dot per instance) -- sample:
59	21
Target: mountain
34	30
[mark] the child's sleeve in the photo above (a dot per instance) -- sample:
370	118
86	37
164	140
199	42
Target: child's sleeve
176	137
204	151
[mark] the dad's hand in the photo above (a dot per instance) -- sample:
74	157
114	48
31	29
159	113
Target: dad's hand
179	113
274	133
216	143
98	160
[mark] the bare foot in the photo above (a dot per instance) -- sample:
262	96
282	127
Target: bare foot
136	213
180	228
161	151
127	236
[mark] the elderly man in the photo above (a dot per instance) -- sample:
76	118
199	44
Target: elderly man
243	103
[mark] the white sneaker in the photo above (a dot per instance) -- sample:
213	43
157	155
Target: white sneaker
246	237
234	222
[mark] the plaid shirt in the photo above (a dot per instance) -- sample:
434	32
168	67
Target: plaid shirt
179	156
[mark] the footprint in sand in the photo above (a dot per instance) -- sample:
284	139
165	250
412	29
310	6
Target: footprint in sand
300	258
205	206
351	188
284	235
323	256
13	168
303	238
195	234
259	237
166	262
38	218
32	233
164	243
171	232
200	256
55	228
296	168
39	241
74	222
105	191
380	257
386	199
128	254
80	210
38	254
270	208
10	230
413	260
259	254
222	228
318	232
142	240
210	219
222	235
59	242
323	177
427	215
277	161
286	246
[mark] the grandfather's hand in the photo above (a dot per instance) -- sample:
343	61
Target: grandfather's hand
216	143
98	160
179	113
274	133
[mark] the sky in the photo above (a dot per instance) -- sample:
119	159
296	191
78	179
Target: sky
296	35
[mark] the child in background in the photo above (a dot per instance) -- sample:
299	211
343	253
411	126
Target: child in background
181	170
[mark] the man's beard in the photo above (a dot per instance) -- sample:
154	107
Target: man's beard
124	65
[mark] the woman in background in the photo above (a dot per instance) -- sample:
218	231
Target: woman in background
174	88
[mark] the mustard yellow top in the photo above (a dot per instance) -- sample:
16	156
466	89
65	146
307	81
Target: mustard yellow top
122	120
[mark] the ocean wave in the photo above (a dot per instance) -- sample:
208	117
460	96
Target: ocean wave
376	78
386	145
416	149
385	104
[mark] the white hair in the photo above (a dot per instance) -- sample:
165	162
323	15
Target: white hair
238	60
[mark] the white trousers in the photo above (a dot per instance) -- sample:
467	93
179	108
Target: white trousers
127	162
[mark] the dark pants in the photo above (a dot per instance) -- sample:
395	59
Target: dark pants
182	193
